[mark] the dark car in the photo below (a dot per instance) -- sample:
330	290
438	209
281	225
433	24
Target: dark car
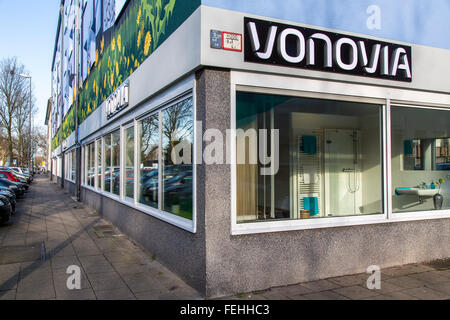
18	176
17	187
11	197
5	210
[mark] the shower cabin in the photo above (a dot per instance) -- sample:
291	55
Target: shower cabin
327	174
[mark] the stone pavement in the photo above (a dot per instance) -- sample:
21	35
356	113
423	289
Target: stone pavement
51	232
430	281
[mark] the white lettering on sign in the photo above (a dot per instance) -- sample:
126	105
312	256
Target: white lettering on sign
349	54
232	41
374	20
117	101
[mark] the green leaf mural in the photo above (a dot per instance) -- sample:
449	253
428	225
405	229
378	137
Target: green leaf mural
143	26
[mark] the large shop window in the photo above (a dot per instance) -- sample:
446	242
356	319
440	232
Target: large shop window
149	161
177	148
158	149
112	163
129	163
329	158
115	163
74	165
99	164
107	163
420	159
91	165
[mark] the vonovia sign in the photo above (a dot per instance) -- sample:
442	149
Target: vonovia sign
118	100
285	45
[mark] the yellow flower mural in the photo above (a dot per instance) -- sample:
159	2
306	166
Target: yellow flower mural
148	41
102	44
139	16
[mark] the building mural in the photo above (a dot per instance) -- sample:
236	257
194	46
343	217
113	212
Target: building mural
111	50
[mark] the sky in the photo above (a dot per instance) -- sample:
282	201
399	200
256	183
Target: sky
28	31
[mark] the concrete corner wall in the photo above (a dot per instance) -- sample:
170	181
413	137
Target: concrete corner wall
255	262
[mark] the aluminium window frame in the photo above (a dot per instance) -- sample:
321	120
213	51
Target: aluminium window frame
333	90
180	222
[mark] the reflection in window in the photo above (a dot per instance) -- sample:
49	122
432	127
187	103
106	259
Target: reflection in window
178	137
420	157
442	153
74	165
91	165
329	158
99	163
129	163
107	163
148	161
115	163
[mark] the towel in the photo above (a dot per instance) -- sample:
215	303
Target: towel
309	144
401	188
311	204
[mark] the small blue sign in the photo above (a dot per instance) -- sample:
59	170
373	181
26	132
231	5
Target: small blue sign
216	39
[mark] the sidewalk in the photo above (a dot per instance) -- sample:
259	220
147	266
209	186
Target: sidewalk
429	281
52	232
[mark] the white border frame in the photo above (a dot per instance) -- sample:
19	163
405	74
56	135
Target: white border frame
182	223
383	96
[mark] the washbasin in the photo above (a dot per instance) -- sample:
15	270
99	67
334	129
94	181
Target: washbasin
417	192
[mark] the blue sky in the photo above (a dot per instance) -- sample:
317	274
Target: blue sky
27	31
425	22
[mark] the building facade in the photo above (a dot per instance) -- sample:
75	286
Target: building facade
253	145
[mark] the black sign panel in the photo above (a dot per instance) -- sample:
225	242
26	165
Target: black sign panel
297	47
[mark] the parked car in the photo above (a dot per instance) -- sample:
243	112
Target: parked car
17	169
17	187
11	197
5	210
14	178
28	179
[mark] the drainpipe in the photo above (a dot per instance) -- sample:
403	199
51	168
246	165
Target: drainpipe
77	101
62	96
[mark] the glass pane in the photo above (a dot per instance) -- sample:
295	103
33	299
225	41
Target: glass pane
148	161
420	159
107	165
91	161
74	164
99	162
115	163
300	158
129	163
178	137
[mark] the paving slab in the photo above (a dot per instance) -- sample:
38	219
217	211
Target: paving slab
356	292
324	295
321	285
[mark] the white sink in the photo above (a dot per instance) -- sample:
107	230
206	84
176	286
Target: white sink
418	192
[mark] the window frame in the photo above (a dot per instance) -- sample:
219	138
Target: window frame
182	223
309	88
412	215
123	153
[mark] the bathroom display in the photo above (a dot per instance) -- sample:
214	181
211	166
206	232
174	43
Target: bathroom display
420	159
330	159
